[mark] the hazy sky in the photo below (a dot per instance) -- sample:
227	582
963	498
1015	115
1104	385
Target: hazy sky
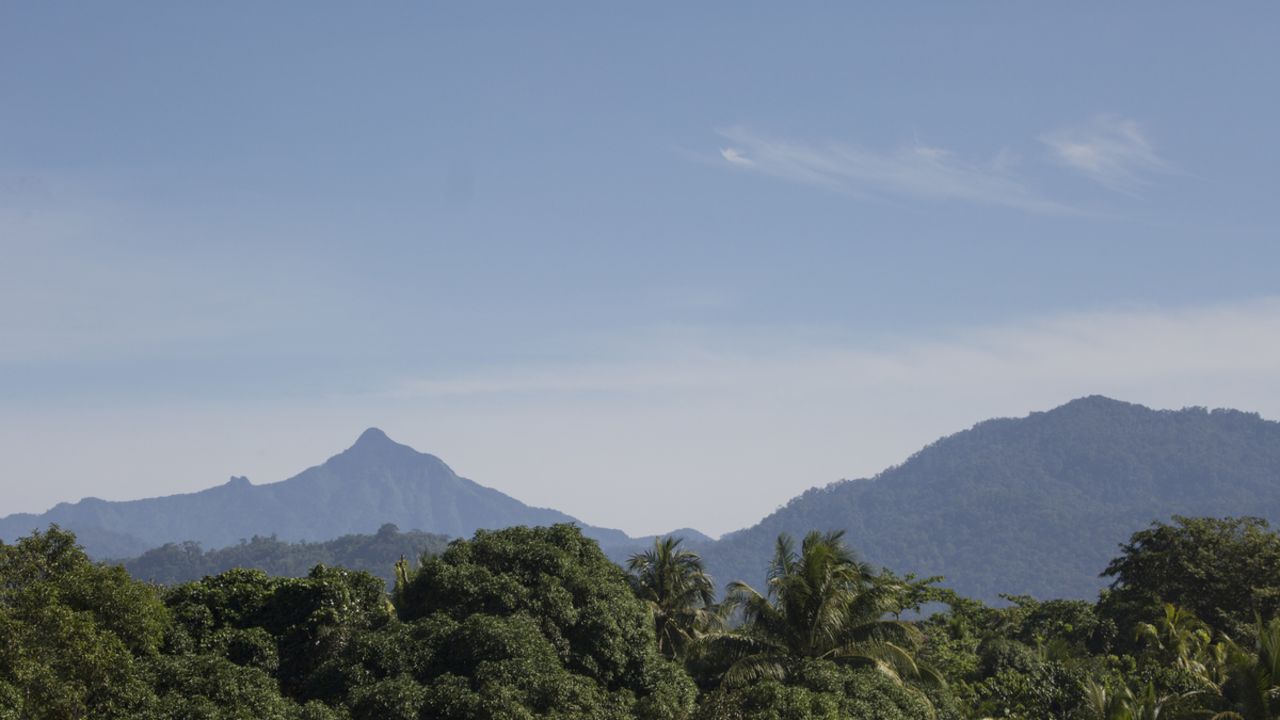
654	266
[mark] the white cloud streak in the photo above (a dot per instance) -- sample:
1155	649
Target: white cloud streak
916	171
1082	350
1110	150
749	427
733	156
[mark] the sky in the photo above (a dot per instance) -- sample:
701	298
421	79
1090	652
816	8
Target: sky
654	265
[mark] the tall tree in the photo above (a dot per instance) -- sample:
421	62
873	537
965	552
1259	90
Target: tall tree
74	636
1179	639
536	622
679	592
1224	570
821	603
1250	686
1102	703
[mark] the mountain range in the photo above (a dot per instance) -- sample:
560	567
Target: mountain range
374	482
1034	505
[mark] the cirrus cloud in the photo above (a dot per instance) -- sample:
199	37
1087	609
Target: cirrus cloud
916	171
1110	150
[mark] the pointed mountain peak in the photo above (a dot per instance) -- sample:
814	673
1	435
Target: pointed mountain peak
373	443
373	437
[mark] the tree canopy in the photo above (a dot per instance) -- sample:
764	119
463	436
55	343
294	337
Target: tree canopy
1223	570
538	623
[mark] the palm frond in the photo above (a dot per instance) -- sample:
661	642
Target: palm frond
755	668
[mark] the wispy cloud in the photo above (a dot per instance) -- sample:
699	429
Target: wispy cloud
1118	350
916	171
732	155
1110	150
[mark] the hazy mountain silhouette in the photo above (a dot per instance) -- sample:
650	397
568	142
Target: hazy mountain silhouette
374	482
1035	505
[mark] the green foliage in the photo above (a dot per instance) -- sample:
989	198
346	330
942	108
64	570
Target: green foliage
1179	640
679	593
1029	660
311	619
1223	571
1245	681
73	633
208	686
581	601
537	619
821	603
51	568
504	666
818	690
394	698
537	623
1033	691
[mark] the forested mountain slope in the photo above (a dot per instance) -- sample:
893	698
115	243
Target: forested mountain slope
1035	505
376	481
375	554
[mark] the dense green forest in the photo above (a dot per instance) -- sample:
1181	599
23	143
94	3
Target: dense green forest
378	553
537	622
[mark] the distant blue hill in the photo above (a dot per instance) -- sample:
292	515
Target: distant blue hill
1035	505
374	482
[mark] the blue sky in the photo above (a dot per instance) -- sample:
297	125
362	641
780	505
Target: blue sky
728	251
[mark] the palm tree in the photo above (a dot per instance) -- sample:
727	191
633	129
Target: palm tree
1103	704
1180	639
821	603
678	591
1250	687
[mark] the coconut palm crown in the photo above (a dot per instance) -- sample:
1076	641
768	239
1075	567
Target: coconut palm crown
679	592
823	603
